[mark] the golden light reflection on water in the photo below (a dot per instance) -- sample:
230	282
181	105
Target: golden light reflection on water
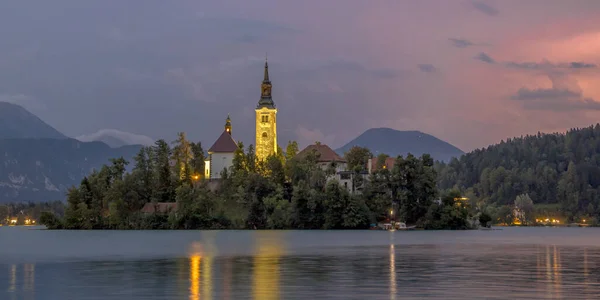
266	266
201	264
207	284
12	286
29	277
393	287
556	267
586	271
553	268
195	277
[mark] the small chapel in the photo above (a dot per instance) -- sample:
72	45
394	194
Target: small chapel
221	153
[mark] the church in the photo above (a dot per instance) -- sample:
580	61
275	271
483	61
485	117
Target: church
220	154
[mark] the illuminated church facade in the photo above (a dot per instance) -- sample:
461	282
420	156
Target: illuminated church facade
221	153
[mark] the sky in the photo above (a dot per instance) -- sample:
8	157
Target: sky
469	72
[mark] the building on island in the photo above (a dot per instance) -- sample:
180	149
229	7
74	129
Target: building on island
266	120
220	155
387	164
328	159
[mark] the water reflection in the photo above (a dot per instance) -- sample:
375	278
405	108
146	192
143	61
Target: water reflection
13	278
269	248
195	277
276	266
393	283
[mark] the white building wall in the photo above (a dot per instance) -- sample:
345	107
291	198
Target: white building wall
340	166
218	162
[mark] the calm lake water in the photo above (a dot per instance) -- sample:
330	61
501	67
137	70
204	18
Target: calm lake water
512	263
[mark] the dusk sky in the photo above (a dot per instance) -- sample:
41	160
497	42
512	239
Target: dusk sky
469	72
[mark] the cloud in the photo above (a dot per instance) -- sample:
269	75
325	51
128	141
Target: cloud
485	8
529	94
460	43
427	68
581	65
126	137
545	64
485	58
564	95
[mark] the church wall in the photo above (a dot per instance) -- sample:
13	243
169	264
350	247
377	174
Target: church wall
218	162
266	132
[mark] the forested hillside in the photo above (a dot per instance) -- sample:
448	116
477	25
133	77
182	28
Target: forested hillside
558	169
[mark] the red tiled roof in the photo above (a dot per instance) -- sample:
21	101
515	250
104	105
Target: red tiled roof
224	143
389	163
161	207
326	154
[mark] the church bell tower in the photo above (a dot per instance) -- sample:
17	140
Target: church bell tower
266	120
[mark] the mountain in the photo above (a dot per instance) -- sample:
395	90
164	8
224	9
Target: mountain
395	142
43	169
561	170
116	138
18	123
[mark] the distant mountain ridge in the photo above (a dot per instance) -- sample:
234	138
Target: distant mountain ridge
395	142
18	123
40	170
39	163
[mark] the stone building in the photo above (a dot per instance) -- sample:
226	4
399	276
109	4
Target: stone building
266	120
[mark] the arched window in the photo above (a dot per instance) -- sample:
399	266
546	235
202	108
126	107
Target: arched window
264	135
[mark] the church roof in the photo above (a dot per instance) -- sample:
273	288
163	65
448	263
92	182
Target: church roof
224	143
326	154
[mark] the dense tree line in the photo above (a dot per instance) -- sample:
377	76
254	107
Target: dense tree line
559	172
284	191
31	211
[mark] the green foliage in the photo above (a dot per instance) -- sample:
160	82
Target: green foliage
524	209
449	214
50	220
277	193
560	169
485	219
357	158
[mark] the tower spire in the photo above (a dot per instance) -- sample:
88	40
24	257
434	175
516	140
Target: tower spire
228	125
266	79
265	95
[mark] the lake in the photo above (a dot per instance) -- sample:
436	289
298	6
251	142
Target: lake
512	263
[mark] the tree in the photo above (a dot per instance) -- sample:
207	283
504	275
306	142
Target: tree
336	200
50	220
250	159
165	189
183	156
239	159
381	159
485	219
568	191
253	194
505	215
291	150
144	172
197	160
357	158
524	208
